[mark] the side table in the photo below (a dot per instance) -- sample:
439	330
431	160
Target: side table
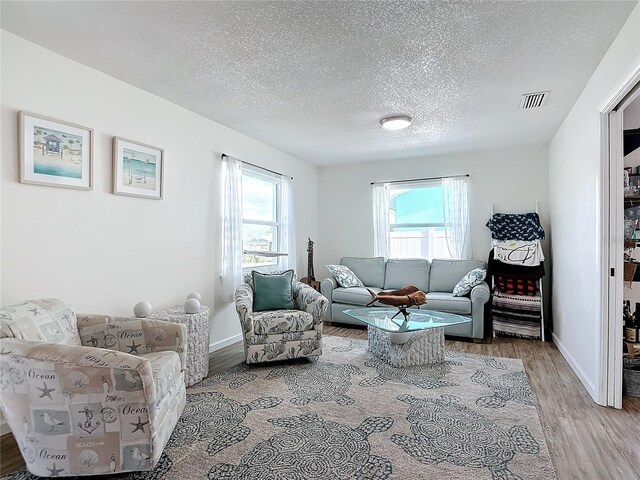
197	325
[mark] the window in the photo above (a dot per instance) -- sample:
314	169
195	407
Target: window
260	218
416	221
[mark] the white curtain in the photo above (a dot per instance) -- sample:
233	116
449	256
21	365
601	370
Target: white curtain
231	202
456	216
287	226
381	220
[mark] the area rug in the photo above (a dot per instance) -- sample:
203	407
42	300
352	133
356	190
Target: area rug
350	416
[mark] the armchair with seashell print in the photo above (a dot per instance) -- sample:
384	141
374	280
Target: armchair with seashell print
91	394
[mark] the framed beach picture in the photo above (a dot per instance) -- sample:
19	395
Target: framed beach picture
137	169
55	153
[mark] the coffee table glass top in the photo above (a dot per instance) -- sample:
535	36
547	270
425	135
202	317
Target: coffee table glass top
418	319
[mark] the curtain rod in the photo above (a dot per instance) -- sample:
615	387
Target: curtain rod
258	166
421	179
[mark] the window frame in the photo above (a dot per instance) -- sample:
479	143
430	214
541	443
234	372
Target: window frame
422	225
259	174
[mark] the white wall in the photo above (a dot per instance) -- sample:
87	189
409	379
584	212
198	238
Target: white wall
631	121
631	115
575	199
512	179
102	252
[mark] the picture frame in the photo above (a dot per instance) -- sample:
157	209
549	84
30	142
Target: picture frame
138	169
54	153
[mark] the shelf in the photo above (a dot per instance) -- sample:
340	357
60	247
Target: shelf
631	202
631	274
264	253
633	349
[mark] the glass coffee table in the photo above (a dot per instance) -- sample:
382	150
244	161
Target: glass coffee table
418	340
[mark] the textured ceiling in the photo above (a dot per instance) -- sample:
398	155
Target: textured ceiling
314	78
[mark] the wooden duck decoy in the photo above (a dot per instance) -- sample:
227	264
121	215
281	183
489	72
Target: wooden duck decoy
408	296
406	290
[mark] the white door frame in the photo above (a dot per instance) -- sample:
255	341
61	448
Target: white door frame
612	341
612	242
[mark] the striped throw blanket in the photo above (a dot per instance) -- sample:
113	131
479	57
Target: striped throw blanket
517	315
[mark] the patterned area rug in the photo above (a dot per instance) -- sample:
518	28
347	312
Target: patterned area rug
350	416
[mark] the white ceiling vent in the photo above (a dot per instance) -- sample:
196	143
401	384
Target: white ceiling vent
533	100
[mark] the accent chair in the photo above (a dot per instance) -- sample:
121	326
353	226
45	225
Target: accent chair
282	334
92	394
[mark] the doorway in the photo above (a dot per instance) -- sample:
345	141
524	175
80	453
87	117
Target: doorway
622	286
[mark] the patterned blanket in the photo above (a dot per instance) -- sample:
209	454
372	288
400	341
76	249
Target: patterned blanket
527	253
515	226
517	315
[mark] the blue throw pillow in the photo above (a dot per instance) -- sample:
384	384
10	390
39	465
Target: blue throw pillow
272	291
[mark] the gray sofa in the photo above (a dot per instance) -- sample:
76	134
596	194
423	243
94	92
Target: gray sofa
437	279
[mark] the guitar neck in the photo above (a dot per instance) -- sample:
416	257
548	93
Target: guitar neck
310	272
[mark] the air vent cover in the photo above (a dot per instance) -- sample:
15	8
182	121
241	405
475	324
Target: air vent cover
533	100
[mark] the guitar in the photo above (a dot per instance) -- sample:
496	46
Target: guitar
310	279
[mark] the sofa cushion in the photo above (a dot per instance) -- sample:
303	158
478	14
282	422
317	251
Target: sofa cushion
369	270
45	320
407	271
281	321
353	295
445	274
446	302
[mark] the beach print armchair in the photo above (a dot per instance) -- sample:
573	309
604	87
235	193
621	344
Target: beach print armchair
281	334
89	394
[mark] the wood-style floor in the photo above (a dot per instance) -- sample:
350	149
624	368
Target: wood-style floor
586	441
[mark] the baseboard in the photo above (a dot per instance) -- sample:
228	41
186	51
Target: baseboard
589	387
224	343
4	428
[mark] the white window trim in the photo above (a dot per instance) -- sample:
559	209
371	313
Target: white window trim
413	186
413	225
272	178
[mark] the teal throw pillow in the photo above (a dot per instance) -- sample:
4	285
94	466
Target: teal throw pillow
272	291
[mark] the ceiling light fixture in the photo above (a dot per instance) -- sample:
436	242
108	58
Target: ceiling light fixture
396	122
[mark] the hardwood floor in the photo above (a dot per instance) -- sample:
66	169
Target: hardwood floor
586	441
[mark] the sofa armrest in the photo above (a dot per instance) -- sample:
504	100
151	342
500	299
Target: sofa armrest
480	295
244	307
58	395
327	286
133	335
308	299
